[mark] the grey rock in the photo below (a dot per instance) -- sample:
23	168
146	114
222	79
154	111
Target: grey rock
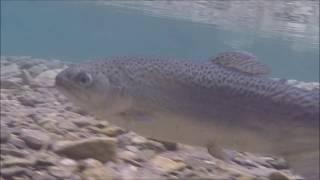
167	165
13	161
67	125
98	173
278	176
34	138
244	162
100	148
46	78
159	147
68	164
31	101
17	142
170	146
13	171
89	163
59	172
145	154
144	173
41	175
27	62
13	152
278	163
45	159
37	69
26	77
9	71
82	122
11	83
4	134
111	131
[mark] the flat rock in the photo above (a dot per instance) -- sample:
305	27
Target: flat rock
59	172
167	165
46	78
4	134
69	164
98	173
11	70
37	69
100	148
40	175
12	161
9	172
11	83
111	131
17	142
278	176
34	138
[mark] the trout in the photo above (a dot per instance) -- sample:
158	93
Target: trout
227	101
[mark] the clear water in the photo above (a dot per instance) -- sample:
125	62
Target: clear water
282	34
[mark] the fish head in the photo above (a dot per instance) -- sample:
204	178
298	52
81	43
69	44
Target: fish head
89	87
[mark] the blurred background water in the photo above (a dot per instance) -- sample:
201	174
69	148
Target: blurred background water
283	34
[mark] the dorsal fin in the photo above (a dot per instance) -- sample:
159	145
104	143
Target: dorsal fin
241	61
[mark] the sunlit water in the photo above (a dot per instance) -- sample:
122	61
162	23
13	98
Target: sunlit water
282	34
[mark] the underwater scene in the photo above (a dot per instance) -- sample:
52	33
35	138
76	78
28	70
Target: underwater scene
162	89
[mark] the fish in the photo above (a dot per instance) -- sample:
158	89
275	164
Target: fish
226	101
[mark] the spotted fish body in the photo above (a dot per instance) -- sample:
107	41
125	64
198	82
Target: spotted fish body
227	100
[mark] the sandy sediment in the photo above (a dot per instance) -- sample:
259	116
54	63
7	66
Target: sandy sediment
43	136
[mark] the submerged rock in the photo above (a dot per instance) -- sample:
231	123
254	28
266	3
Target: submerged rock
98	173
167	165
46	79
34	138
100	148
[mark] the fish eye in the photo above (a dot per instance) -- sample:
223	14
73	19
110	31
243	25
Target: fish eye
84	79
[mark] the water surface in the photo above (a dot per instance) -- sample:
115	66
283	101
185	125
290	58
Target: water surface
283	34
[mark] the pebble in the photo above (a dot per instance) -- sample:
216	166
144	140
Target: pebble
40	175
17	142
167	165
59	172
127	155
111	131
37	69
145	154
278	163
90	163
81	122
67	125
13	152
13	171
47	78
98	173
4	134
10	71
34	138
278	176
13	161
100	148
31	101
11	83
69	164
139	140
